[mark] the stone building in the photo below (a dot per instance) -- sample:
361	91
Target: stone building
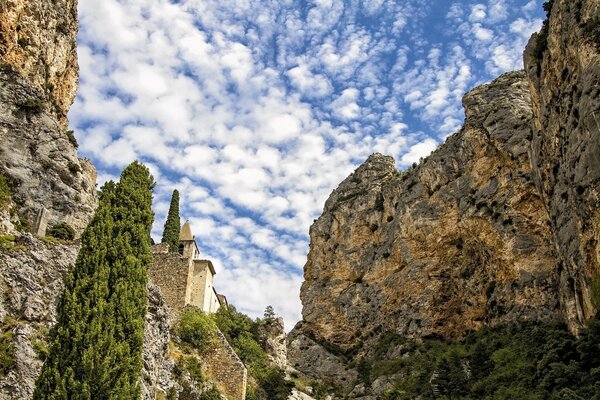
184	278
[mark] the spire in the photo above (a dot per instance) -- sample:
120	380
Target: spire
186	232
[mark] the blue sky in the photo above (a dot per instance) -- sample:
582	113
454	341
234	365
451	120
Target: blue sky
256	110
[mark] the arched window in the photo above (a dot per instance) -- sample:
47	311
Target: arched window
181	249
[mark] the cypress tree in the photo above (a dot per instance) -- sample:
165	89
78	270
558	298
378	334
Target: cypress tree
172	224
96	345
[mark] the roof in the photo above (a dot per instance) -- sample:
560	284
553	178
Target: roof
186	232
209	263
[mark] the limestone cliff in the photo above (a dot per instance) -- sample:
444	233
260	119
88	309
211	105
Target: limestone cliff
38	79
38	39
471	236
565	151
458	242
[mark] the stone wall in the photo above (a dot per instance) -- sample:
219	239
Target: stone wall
227	369
170	271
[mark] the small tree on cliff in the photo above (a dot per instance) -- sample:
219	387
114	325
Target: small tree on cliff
96	345
172	224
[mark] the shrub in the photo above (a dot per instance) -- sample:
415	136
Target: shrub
197	329
73	167
211	394
34	105
4	192
7	351
62	231
71	136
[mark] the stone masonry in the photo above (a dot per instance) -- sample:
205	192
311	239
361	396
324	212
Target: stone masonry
227	369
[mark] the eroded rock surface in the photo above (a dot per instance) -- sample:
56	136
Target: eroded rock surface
32	281
38	80
38	39
565	91
459	242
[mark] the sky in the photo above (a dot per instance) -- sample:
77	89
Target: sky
255	110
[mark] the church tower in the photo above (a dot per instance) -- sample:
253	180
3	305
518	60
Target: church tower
187	243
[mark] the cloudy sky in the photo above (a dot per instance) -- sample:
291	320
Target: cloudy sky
256	109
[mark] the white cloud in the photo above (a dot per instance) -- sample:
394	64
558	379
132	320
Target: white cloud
257	111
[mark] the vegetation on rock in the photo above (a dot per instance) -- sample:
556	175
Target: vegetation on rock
4	192
520	361
62	231
197	329
96	345
267	382
172	224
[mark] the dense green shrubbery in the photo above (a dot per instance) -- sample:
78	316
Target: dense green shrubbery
4	192
242	333
7	351
526	361
197	329
61	231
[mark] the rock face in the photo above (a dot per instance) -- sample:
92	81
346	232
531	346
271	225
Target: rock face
32	281
501	223
565	152
273	340
38	79
157	373
459	242
38	39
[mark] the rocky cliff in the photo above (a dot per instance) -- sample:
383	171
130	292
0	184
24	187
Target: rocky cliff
38	79
565	150
471	236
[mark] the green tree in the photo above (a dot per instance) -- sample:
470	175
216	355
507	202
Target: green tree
172	224
96	345
269	314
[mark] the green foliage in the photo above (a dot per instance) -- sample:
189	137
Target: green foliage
197	329
172	224
71	136
7	351
73	167
364	371
62	231
595	289
242	333
7	242
96	344
269	314
4	192
523	361
33	105
211	394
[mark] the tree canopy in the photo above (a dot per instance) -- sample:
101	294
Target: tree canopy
96	345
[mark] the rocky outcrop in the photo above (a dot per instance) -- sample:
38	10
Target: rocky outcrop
565	151
31	274
157	372
272	337
38	40
312	360
457	243
38	79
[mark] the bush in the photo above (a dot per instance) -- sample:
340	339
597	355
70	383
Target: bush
71	136
7	351
73	167
197	329
211	394
4	192
62	231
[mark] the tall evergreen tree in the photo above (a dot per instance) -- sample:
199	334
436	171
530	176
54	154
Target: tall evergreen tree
172	224
96	345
